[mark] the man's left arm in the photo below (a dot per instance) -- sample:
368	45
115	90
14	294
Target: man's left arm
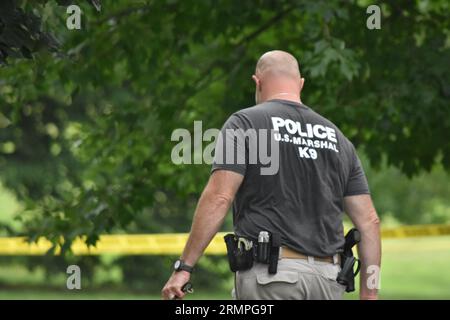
209	215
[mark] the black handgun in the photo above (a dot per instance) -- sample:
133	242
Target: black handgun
347	274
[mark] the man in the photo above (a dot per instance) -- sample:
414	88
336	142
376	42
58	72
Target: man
319	176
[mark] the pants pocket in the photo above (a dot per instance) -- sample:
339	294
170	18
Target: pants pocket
280	286
279	277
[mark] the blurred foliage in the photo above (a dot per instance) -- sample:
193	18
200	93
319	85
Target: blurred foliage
422	199
20	30
85	127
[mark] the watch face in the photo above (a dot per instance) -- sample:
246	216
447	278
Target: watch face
177	264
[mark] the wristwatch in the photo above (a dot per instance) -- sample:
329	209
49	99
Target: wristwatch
179	265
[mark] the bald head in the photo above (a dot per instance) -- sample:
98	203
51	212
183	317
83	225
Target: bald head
277	76
278	63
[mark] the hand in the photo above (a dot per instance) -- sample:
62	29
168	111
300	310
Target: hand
172	289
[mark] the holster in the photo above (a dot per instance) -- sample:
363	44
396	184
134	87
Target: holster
242	252
240	255
347	274
275	244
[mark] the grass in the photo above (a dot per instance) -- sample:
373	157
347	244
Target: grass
30	294
412	268
416	268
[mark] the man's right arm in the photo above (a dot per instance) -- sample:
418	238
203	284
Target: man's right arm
361	211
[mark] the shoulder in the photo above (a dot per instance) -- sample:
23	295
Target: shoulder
248	116
327	122
254	110
319	118
256	113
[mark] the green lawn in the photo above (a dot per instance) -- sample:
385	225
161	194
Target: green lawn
85	295
412	268
416	268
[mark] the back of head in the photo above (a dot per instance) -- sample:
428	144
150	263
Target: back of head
278	64
277	76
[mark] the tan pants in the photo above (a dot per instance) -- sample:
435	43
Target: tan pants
296	279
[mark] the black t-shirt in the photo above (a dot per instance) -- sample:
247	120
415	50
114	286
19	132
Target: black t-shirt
301	198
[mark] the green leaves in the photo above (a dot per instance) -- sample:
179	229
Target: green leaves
4	121
91	125
20	33
326	55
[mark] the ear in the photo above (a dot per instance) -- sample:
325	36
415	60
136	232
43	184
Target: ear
257	82
302	82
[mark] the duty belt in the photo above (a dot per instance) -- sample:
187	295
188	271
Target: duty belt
287	253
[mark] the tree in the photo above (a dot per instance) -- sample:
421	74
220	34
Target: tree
88	142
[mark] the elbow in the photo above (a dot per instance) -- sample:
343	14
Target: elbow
374	220
217	199
222	200
372	223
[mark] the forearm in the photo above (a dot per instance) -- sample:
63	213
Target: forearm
369	252
208	218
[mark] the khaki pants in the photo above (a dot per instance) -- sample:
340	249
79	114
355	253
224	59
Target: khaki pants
296	279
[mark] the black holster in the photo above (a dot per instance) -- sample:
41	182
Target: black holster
242	252
240	258
274	254
347	274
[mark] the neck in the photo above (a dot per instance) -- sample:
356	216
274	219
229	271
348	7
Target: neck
285	96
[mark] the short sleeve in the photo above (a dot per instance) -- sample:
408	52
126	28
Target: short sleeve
357	181
231	148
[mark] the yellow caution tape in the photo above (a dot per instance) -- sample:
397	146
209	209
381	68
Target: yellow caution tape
171	243
130	244
416	231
